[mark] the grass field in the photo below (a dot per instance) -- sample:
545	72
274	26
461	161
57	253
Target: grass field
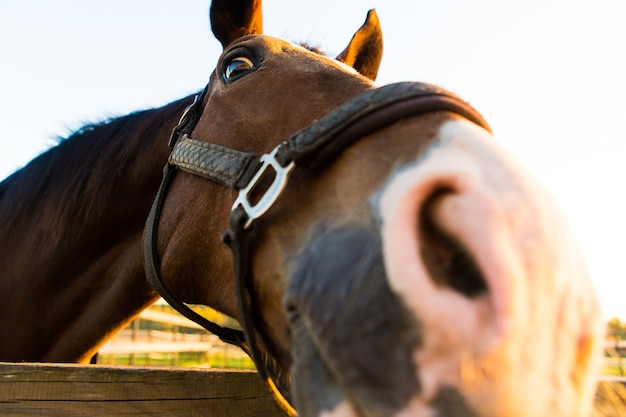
184	359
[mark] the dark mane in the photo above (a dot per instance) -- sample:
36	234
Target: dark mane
84	167
313	48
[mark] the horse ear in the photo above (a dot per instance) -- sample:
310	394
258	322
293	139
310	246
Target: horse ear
232	19
366	47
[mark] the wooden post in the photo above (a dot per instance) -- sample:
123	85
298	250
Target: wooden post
135	330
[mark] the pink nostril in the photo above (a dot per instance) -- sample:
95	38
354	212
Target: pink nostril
479	254
448	249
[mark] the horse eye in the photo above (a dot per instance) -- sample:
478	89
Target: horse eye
237	68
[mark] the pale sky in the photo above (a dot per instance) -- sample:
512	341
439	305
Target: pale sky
549	76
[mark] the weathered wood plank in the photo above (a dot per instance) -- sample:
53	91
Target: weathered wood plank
56	390
72	390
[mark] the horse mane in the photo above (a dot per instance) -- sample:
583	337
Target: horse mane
68	181
315	48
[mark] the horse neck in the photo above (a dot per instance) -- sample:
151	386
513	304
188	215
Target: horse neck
70	237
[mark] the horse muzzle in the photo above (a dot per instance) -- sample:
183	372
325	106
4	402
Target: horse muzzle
467	299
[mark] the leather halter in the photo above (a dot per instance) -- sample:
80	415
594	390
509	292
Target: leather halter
317	144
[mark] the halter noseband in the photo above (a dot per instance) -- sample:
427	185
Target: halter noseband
318	143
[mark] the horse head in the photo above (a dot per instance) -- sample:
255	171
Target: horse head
413	268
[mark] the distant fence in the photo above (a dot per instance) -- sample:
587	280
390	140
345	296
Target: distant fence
614	366
146	346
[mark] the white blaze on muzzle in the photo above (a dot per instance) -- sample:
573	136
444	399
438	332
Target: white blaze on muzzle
527	345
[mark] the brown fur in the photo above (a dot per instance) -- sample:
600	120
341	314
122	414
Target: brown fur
70	247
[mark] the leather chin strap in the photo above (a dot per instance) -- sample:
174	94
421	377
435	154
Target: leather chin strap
317	144
153	270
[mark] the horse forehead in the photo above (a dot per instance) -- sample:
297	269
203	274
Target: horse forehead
290	88
280	49
269	43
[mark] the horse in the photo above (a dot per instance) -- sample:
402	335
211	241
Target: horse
388	254
403	264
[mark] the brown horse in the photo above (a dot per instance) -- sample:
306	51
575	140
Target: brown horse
410	267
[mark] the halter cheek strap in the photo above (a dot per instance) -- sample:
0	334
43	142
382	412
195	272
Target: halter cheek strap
231	168
152	262
153	270
244	339
315	145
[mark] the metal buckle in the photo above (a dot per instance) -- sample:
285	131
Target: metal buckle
271	194
188	109
182	122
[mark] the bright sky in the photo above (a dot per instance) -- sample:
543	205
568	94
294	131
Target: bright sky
549	75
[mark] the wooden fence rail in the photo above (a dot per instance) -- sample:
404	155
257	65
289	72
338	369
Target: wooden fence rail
54	390
59	390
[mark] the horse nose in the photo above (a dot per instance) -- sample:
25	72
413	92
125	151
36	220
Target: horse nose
479	254
456	234
466	297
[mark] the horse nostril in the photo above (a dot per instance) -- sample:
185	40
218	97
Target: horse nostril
447	261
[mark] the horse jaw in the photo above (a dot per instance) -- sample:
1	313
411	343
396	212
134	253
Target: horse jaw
522	342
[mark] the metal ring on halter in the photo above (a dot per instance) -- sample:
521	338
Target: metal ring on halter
254	211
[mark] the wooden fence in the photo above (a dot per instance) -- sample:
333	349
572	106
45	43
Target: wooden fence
74	390
56	390
63	390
